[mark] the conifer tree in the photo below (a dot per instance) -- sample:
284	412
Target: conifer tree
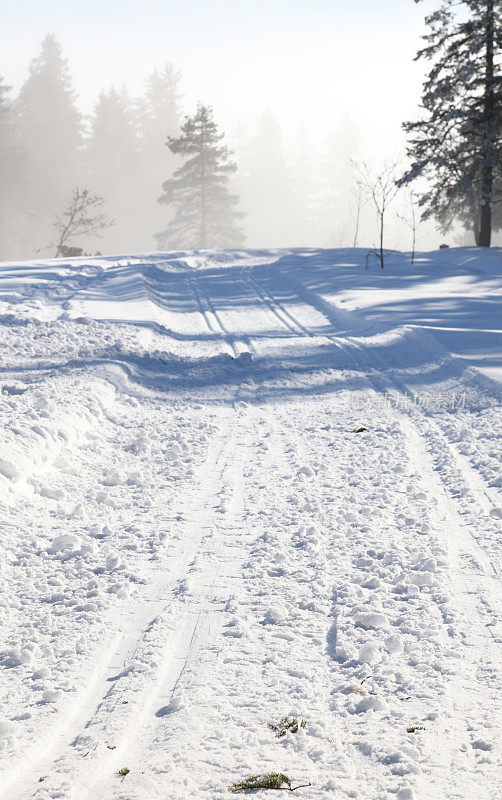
340	199
113	167
268	187
205	212
50	135
160	108
11	165
458	143
159	116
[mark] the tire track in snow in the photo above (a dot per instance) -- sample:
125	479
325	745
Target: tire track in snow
194	631
83	745
480	491
470	713
284	317
103	720
289	321
374	369
237	345
224	544
478	573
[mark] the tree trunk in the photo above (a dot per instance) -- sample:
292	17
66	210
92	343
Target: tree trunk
474	212
485	212
485	228
203	209
357	219
356	232
381	239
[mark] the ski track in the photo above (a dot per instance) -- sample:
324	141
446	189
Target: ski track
254	600
481	582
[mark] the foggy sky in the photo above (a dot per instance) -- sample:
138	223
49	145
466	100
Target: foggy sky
311	61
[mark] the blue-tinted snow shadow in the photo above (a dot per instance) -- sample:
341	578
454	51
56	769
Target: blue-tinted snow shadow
466	323
212	379
293	278
306	372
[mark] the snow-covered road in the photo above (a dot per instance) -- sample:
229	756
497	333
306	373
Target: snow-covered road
239	486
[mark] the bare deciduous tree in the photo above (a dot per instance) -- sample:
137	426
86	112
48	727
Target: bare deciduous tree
411	217
81	218
380	186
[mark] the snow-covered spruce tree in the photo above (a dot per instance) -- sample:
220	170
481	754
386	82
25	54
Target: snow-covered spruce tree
206	213
457	145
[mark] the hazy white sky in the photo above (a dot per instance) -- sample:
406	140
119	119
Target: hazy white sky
310	61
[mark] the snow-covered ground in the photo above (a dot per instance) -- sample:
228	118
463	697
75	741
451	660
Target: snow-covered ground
196	542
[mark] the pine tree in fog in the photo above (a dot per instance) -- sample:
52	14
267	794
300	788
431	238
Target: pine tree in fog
268	187
49	129
304	212
159	116
11	165
340	202
113	167
457	146
206	213
160	110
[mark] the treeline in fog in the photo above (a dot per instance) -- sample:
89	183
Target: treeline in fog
145	172
48	148
300	194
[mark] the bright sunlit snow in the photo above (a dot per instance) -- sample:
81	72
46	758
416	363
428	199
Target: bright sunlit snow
243	485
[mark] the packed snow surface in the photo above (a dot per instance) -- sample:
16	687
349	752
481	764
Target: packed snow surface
242	486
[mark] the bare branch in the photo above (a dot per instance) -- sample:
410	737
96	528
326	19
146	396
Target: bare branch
410	216
81	218
381	187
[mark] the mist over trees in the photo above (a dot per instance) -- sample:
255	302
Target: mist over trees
206	213
11	173
112	156
266	184
49	129
159	117
293	190
118	152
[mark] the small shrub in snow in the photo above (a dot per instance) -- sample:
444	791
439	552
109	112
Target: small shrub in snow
268	780
287	725
124	771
